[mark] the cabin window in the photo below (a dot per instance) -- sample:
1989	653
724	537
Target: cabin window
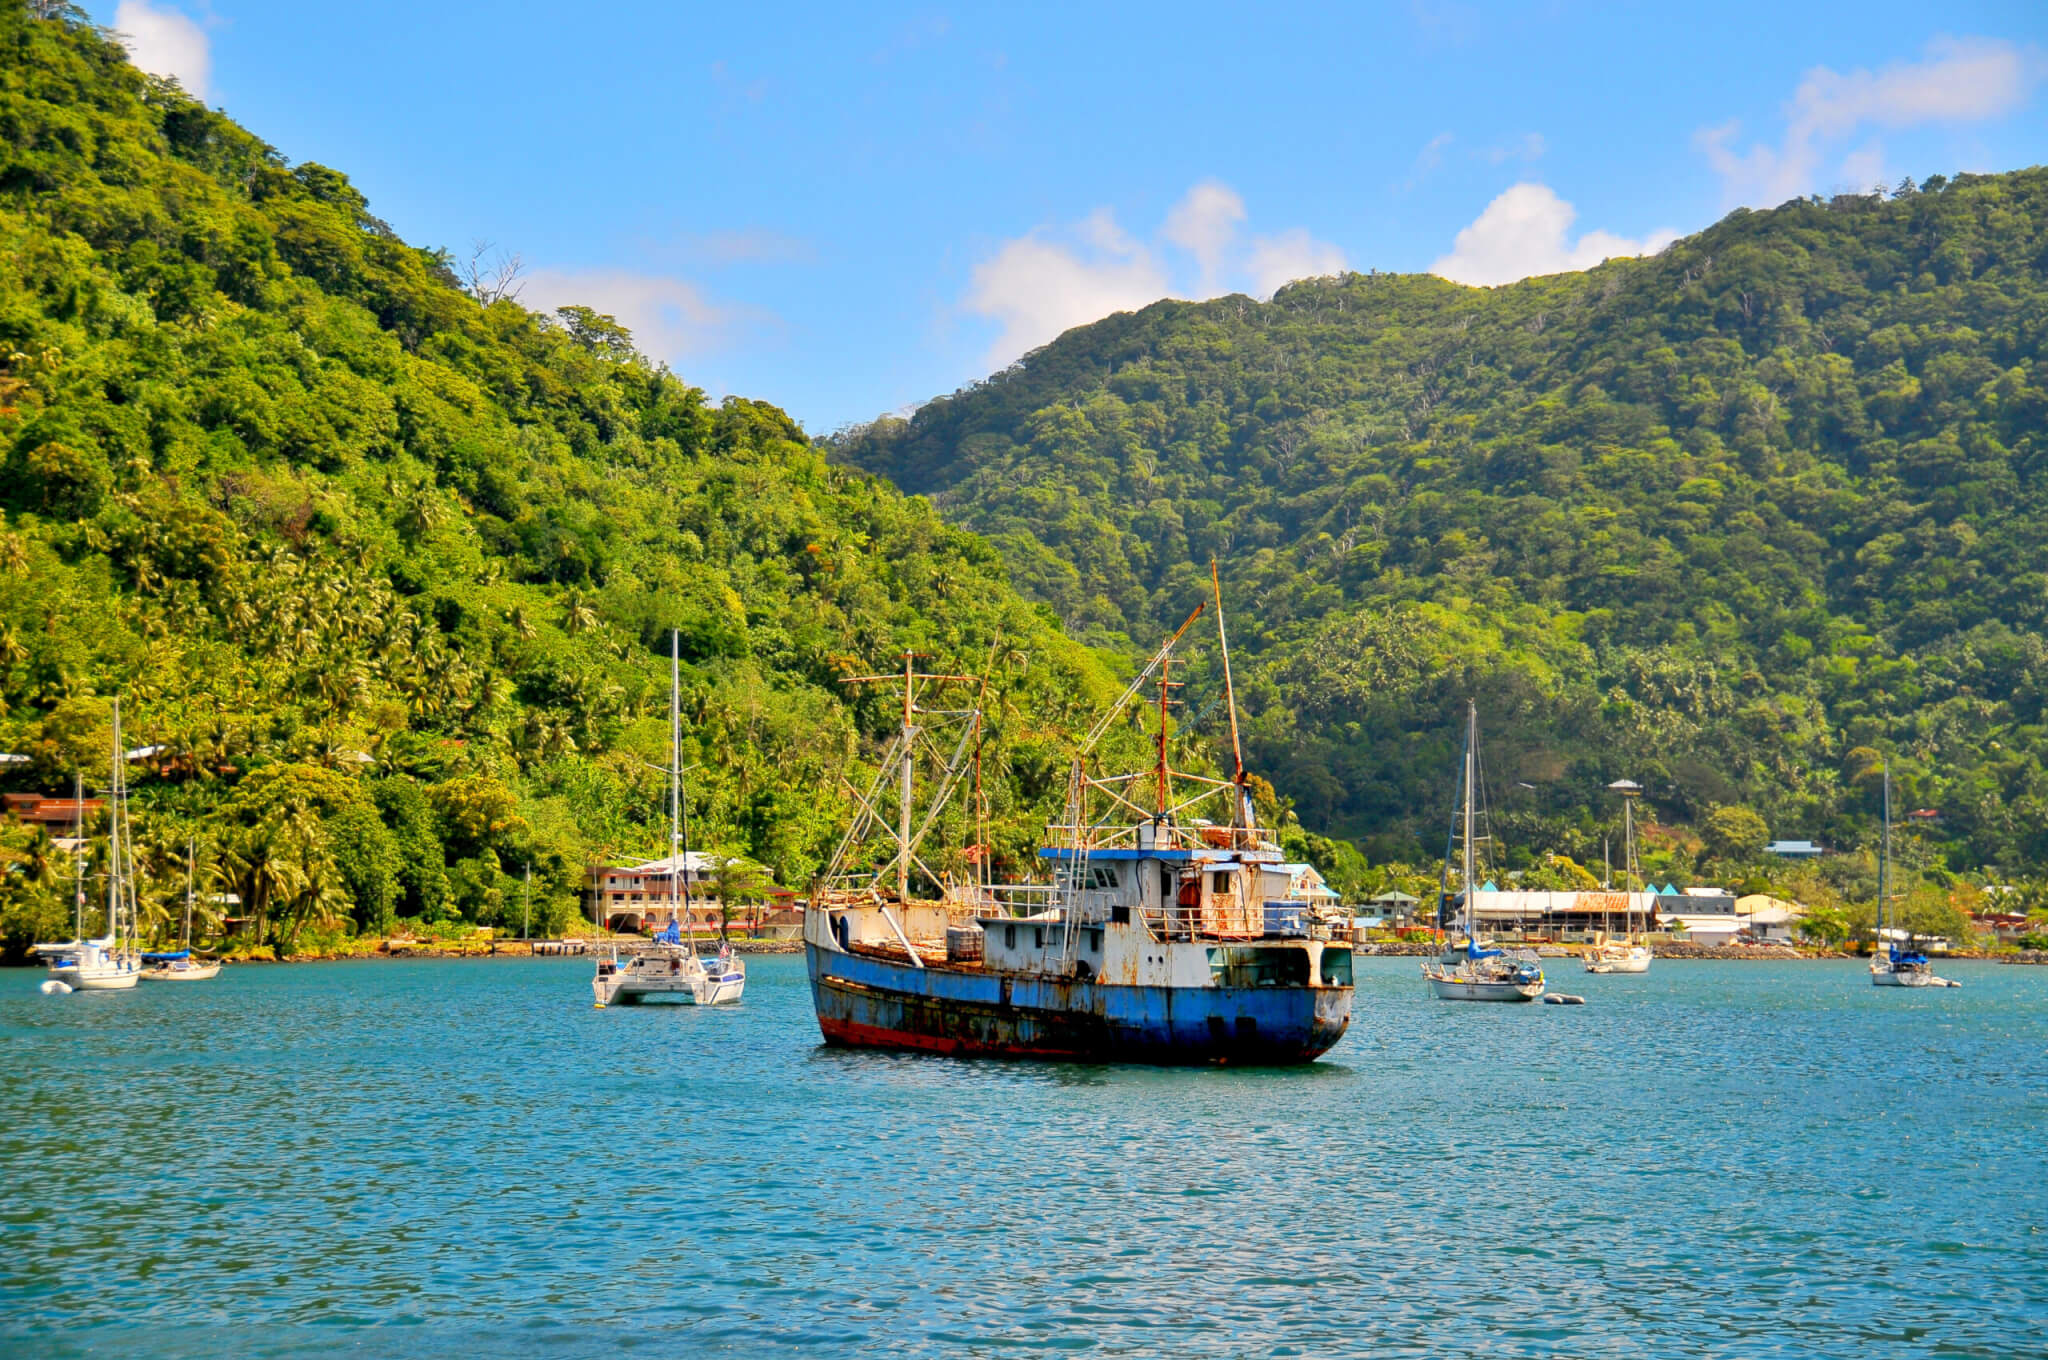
1038	937
1336	968
1219	884
1009	937
1120	916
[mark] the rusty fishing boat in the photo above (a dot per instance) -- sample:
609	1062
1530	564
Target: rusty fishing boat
1152	939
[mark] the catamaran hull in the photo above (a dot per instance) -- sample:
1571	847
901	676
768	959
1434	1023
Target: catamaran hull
865	1002
619	989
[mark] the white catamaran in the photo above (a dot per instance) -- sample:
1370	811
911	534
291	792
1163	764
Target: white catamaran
669	967
1895	962
1629	954
112	962
1477	973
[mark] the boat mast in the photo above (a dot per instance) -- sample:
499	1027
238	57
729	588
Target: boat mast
1471	738
678	897
78	852
1240	815
117	788
1884	861
1628	860
186	942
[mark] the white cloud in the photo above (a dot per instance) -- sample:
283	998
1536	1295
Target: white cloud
1037	287
670	318
1960	80
1527	231
164	42
1276	260
1204	223
1530	146
1041	284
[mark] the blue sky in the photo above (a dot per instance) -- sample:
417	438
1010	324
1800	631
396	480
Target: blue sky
849	208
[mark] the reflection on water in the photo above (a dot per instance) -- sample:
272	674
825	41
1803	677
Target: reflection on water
456	1157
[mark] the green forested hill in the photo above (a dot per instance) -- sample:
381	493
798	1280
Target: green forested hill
387	573
1733	520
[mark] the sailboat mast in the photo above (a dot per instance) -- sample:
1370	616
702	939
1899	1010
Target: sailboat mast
116	789
1628	860
186	942
1471	759
1884	859
78	852
675	774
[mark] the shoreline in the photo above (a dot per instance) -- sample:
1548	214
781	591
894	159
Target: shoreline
525	949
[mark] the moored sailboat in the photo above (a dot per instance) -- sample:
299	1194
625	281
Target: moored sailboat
112	962
178	965
1477	972
1630	953
668	967
1894	962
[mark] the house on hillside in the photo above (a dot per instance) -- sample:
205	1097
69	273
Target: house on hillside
1794	849
55	814
649	895
1297	883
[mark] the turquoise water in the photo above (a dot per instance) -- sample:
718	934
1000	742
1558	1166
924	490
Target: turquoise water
463	1157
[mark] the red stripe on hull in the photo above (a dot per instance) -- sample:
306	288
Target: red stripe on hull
856	1035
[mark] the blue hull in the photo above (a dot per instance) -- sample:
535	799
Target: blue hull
867	1002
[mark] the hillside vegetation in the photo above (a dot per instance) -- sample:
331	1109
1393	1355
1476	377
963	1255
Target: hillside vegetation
388	574
1738	521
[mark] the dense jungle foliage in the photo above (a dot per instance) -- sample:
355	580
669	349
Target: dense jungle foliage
1738	521
387	575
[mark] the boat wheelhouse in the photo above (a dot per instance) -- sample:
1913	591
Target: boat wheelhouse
1152	939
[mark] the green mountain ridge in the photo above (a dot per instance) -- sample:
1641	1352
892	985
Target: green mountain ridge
1737	521
388	574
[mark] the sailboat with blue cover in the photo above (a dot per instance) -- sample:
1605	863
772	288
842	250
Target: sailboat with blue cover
1895	962
1477	972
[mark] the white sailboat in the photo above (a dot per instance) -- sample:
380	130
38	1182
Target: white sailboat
1476	973
1629	954
1895	962
178	965
112	962
669	966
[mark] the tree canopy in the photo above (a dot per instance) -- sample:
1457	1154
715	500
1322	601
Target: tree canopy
1731	521
388	570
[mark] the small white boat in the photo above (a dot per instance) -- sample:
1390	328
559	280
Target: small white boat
1474	973
1629	954
113	962
669	967
1616	956
1896	963
1515	982
92	965
178	965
